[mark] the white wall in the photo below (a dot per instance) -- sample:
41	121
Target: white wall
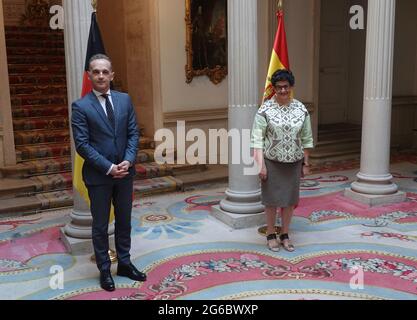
177	95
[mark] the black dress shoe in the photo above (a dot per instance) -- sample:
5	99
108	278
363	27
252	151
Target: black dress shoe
106	281
131	272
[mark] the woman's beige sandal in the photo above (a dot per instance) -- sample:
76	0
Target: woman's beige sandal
285	242
272	242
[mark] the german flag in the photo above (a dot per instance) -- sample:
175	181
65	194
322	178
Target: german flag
94	46
279	58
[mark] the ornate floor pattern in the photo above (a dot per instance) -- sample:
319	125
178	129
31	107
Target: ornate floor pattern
344	250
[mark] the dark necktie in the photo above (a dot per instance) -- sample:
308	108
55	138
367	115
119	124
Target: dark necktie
109	110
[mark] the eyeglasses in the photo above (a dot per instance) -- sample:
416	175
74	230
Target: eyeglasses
280	88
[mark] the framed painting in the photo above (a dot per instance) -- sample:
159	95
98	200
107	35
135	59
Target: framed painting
206	45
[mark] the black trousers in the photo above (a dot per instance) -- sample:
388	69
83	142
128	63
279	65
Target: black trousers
120	192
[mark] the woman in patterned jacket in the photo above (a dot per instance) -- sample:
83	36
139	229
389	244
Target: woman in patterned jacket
281	139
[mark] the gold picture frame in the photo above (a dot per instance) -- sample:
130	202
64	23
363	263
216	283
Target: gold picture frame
206	42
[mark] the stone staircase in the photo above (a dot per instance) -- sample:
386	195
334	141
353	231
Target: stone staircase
340	141
42	178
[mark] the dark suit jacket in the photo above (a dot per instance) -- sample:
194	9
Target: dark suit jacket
96	141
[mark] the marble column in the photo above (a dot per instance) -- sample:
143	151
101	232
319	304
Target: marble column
374	184
77	27
243	195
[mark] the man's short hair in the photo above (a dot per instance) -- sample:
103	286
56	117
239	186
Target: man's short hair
99	56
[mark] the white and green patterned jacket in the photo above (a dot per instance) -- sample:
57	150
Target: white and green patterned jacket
283	132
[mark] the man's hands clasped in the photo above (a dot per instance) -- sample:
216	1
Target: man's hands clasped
121	170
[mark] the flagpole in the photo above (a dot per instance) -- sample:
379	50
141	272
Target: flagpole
94	4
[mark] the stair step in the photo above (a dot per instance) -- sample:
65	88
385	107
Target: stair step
334	153
212	174
29	42
338	127
16	188
151	170
55	69
339	135
37	167
44	151
179	169
52	182
10	187
33	36
35	51
337	142
145	155
46	89
36	203
27	100
41	136
35	60
50	123
31	30
33	79
146	143
39	111
154	186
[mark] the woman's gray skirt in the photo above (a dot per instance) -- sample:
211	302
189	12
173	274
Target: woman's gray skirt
282	187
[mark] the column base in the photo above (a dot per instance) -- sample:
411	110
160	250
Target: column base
376	200
238	221
380	185
80	225
242	202
80	247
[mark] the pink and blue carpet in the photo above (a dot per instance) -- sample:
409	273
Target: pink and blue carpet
187	254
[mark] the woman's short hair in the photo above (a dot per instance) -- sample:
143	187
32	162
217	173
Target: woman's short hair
283	75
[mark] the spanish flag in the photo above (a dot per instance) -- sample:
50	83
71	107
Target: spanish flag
279	58
94	46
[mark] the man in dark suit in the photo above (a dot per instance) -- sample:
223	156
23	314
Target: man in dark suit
107	138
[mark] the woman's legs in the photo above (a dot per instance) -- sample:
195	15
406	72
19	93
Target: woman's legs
271	217
286	217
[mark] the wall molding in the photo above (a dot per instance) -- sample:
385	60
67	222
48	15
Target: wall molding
208	114
197	115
